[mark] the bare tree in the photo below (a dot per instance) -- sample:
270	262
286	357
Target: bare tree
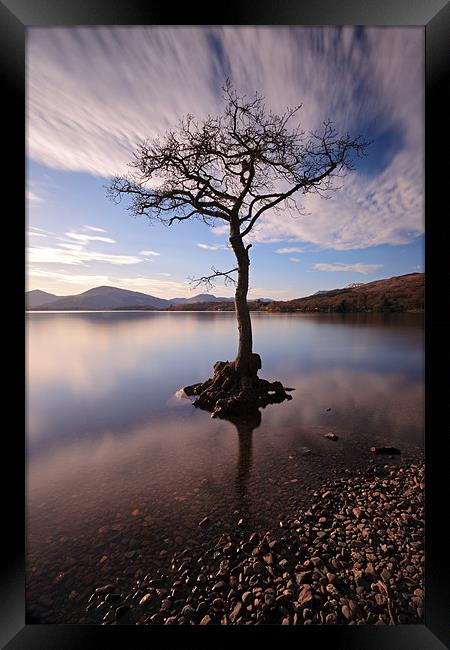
233	169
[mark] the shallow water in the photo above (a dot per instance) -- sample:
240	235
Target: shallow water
120	471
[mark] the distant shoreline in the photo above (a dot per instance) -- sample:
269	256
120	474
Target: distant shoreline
400	294
210	311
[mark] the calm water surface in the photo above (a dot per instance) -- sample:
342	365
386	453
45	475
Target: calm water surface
121	470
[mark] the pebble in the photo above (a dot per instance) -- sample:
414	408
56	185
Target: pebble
322	565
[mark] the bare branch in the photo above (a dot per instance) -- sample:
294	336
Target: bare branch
235	167
209	280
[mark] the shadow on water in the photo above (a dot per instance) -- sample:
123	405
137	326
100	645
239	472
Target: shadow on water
245	428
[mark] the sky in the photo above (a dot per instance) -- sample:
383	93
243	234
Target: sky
95	93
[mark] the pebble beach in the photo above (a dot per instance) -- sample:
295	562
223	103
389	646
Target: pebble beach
353	554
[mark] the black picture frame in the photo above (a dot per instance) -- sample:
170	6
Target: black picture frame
434	16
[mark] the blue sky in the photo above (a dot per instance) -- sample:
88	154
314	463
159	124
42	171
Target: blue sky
94	93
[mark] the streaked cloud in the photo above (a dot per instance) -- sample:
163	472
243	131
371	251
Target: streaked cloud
220	230
95	93
209	247
149	253
33	197
294	259
292	249
365	269
33	233
94	228
78	256
86	238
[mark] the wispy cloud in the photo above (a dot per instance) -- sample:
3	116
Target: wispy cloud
209	247
149	253
363	79
33	197
292	249
78	256
33	233
365	269
220	230
94	228
294	259
87	238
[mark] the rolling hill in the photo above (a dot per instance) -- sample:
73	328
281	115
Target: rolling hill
396	294
37	297
109	298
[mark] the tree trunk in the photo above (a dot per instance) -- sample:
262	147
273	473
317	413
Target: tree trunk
235	390
244	362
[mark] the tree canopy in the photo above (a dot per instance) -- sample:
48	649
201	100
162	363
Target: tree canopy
234	167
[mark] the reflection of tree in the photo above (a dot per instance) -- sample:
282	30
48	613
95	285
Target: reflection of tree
245	428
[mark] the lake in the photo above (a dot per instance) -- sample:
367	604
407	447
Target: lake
121	469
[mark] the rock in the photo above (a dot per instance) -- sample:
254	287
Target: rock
190	390
202	607
385	575
188	611
269	599
46	601
247	598
112	598
204	521
346	612
145	599
105	589
331	436
306	596
236	611
385	450
171	620
121	612
219	586
380	599
206	620
304	577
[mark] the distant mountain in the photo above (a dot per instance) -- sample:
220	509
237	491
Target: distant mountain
320	293
110	298
397	294
201	297
106	298
37	297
